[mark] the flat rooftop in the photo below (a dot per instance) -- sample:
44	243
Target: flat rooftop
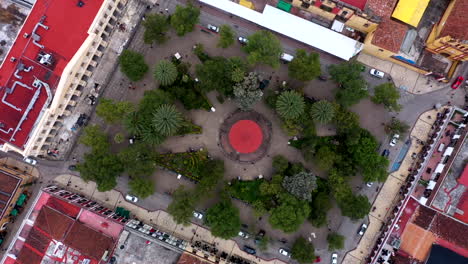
31	71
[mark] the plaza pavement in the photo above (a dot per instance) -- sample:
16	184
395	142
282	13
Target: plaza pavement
159	218
388	195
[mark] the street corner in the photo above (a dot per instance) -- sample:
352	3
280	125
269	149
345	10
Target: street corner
374	62
404	78
425	85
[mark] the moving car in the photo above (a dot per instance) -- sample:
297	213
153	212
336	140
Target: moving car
285	252
197	215
457	82
362	229
243	40
377	73
394	140
131	198
213	28
334	258
249	250
30	161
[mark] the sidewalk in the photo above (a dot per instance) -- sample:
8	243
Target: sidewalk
403	78
159	218
388	195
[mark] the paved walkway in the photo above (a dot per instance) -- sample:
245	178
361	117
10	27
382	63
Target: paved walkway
388	194
159	218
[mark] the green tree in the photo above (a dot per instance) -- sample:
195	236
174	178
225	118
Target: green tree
167	120
156	26
303	251
351	92
388	95
248	93
212	172
237	75
226	36
345	72
223	219
263	47
259	208
94	137
165	72
280	164
151	136
290	213
290	105
133	65
134	123
141	187
113	112
322	111
325	157
273	187
102	168
345	120
138	160
304	67
217	74
396	126
119	138
320	206
182	205
355	206
184	19
300	185
335	241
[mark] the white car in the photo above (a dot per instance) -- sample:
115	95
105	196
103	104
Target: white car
243	40
377	73
213	28
394	140
131	198
369	184
30	161
334	258
362	230
284	252
243	234
197	215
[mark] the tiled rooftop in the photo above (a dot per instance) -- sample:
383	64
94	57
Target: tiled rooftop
389	35
356	3
456	24
382	8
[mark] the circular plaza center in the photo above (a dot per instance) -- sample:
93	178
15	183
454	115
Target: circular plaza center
245	136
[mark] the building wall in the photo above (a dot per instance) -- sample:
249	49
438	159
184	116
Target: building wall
73	80
354	19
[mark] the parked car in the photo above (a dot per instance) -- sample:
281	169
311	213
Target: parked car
362	229
131	198
285	57
30	161
72	167
197	215
334	258
243	40
323	78
377	73
213	28
386	152
243	234
394	140
369	184
285	252
458	81
249	250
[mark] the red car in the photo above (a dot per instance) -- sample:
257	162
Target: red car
457	82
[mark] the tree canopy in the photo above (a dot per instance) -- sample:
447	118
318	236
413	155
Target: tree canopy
300	185
388	95
290	105
223	219
182	205
322	111
138	160
263	47
290	213
352	87
303	251
94	137
304	67
335	241
156	26
141	187
102	168
165	72
133	65
185	18
247	93
226	36
396	126
167	119
113	112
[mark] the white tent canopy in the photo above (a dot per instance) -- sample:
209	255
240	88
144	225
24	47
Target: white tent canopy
294	27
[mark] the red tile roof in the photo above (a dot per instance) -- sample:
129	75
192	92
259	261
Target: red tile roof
187	258
464	176
389	35
382	8
68	27
356	3
53	223
457	22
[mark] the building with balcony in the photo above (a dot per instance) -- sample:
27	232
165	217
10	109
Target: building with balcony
45	71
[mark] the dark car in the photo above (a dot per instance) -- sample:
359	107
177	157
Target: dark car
249	250
259	236
323	78
264	84
385	153
72	167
